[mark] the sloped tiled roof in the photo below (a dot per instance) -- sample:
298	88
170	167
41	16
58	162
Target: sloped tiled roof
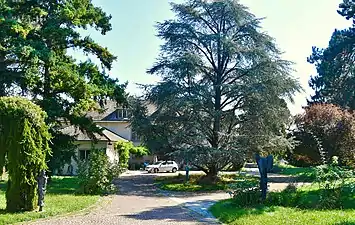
107	135
108	109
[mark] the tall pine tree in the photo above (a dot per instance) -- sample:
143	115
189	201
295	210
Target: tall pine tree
34	62
221	77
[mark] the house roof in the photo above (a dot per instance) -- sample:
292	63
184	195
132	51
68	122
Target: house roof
109	112
109	108
106	135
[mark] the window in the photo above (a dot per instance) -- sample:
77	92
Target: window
170	163
84	154
124	113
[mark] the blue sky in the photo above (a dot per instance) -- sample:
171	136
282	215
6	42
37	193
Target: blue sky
296	25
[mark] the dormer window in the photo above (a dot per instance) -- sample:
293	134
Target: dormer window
124	113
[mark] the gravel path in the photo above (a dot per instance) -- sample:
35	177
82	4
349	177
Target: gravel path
138	202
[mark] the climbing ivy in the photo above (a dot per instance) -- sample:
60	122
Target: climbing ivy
24	141
125	148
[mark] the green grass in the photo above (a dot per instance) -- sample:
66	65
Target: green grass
177	183
296	208
302	174
228	213
60	199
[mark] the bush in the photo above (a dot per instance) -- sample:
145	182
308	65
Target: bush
245	192
96	174
288	197
331	179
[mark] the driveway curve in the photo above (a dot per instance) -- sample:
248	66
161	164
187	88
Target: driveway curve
138	202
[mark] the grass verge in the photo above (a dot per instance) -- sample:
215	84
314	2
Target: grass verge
60	199
298	208
177	183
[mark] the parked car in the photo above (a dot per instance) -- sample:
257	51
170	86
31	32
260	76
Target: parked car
162	166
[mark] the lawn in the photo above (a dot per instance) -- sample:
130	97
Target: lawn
302	174
295	209
177	183
60	199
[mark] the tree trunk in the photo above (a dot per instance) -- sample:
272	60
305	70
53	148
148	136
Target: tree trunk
211	176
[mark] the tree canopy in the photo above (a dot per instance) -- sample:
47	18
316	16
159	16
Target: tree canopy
35	62
334	81
223	85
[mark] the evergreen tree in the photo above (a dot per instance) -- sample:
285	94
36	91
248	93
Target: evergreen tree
334	82
221	77
34	62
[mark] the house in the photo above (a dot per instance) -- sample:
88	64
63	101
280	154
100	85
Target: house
115	122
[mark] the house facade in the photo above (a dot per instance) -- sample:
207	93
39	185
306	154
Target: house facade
115	122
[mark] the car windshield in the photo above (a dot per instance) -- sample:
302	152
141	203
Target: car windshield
157	163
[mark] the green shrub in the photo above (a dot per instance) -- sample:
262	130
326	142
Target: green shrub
288	197
331	179
245	192
96	174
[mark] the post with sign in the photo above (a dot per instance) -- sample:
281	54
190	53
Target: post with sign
265	166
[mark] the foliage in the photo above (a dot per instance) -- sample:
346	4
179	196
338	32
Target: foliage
305	153
245	191
95	175
35	62
331	179
125	148
24	141
60	199
223	87
334	81
333	131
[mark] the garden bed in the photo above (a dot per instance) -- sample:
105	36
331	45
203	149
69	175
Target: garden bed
60	199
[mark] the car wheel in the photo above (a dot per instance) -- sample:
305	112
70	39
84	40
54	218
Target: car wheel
156	170
174	170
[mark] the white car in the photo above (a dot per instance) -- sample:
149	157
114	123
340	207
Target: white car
162	166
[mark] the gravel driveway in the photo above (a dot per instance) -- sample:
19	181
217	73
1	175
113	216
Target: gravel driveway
138	202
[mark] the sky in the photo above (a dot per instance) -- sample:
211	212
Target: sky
296	25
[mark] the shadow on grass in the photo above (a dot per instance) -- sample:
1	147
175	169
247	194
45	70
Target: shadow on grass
58	185
301	174
310	199
63	185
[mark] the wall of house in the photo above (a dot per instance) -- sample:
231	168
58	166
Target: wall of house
121	128
72	169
